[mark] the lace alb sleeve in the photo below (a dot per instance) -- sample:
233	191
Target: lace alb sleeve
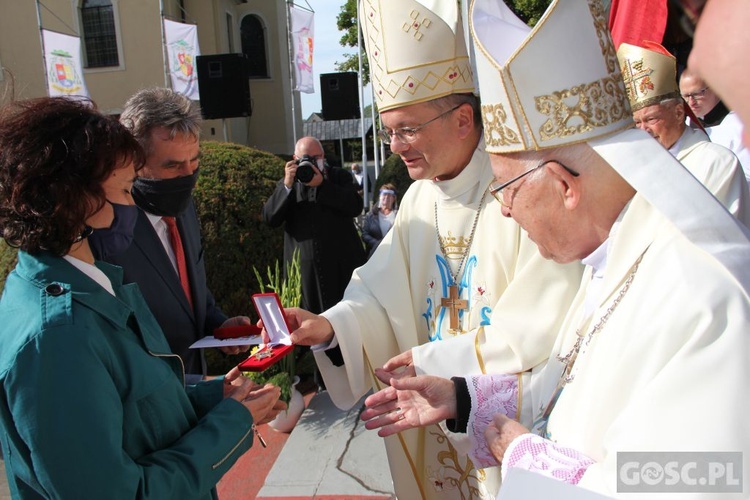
534	453
490	394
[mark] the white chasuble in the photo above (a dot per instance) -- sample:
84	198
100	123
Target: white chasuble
717	168
646	380
395	302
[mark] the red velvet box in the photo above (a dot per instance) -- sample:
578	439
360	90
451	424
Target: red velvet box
233	332
271	312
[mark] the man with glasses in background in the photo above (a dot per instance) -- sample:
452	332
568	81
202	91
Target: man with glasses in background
722	125
650	75
452	267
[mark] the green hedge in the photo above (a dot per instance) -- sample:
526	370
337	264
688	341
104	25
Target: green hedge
234	183
8	259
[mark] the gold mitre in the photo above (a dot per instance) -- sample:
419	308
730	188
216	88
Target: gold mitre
650	74
582	99
417	51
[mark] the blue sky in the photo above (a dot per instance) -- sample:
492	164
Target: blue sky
327	51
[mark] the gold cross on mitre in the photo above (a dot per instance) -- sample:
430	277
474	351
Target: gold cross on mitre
455	304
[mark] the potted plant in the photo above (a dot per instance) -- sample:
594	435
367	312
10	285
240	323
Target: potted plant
283	374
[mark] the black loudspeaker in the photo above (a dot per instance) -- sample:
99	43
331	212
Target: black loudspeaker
224	85
339	95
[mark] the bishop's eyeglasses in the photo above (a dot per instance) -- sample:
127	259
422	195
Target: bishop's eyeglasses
499	191
407	135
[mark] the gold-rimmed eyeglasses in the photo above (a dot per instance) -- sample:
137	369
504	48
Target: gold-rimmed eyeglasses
499	193
697	95
407	135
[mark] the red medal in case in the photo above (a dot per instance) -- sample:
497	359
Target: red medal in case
270	311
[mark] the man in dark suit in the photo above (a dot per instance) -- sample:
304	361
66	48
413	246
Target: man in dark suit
166	257
359	178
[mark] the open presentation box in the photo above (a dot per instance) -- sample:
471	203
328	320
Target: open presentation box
271	313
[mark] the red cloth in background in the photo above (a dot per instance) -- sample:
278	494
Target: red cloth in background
632	21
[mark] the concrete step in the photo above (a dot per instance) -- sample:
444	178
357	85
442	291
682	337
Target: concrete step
330	455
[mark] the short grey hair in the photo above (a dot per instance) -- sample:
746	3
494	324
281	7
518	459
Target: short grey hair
160	107
452	100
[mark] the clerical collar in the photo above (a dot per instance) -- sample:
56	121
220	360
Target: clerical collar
677	146
597	260
715	116
464	186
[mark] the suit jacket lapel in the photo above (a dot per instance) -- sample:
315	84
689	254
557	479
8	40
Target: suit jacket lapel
149	244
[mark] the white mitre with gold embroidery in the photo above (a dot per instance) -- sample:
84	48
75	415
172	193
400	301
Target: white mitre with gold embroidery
416	50
557	84
649	72
560	84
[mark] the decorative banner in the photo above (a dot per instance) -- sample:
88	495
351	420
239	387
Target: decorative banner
62	55
302	46
182	49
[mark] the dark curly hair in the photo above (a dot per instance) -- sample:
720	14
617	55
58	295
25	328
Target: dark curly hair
55	153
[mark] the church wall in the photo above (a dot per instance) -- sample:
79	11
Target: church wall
142	64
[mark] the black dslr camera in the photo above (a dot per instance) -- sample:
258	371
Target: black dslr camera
305	170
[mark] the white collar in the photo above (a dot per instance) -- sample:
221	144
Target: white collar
92	272
677	146
463	187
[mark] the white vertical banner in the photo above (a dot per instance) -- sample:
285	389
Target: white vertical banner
182	49
302	28
62	55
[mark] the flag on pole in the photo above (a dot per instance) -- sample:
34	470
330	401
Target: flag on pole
182	49
302	48
633	21
62	55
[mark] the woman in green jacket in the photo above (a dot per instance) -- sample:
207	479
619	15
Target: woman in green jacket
92	401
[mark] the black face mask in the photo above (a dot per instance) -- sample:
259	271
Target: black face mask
165	197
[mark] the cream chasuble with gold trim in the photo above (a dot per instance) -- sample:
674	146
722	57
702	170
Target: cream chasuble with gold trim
644	381
394	303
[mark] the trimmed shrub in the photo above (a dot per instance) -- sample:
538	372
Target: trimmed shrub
8	259
234	183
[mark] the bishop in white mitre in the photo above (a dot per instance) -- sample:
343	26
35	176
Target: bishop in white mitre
451	267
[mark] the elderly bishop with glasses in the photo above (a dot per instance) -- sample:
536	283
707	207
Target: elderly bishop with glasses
650	76
650	367
453	276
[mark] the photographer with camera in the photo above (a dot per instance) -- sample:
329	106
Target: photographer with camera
317	204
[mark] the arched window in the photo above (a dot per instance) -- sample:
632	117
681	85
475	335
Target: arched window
99	33
253	36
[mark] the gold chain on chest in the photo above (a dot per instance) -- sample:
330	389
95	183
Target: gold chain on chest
454	276
584	340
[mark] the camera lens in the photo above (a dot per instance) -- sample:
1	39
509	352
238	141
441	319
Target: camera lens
305	170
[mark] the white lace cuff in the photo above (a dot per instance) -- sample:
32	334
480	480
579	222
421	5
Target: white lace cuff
534	453
490	394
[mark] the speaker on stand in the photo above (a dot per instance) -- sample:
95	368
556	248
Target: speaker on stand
340	95
224	86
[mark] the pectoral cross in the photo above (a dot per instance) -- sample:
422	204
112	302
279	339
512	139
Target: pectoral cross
455	304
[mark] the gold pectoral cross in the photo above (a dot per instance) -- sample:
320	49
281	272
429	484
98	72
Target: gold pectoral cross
455	304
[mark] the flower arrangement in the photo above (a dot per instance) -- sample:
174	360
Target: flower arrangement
289	290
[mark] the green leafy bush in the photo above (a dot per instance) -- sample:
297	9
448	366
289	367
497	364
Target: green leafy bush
8	259
234	183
